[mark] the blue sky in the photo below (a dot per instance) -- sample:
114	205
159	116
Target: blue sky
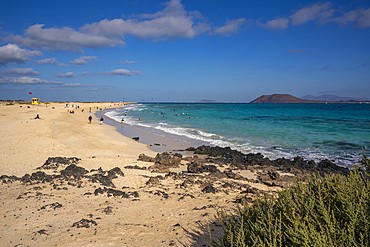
183	50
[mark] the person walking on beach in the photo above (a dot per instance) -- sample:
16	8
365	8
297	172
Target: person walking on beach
101	120
90	118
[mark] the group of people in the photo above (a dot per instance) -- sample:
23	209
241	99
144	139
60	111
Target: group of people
101	119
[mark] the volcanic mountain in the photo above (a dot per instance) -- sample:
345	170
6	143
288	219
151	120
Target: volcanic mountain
280	98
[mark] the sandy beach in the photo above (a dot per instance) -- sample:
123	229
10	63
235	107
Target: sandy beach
73	212
66	182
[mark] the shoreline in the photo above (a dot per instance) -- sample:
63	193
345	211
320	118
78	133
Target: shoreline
154	142
271	142
42	207
65	182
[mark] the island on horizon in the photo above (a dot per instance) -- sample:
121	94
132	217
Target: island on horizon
287	98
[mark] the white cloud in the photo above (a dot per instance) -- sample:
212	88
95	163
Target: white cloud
26	80
68	74
47	61
63	65
77	85
322	14
360	16
83	60
364	19
51	61
13	89
161	28
11	53
64	38
128	62
121	72
230	27
174	8
280	23
172	22
312	12
32	80
21	71
85	73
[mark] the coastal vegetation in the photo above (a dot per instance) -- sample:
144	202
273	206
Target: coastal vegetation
331	210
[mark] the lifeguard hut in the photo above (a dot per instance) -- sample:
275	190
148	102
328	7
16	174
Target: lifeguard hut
35	101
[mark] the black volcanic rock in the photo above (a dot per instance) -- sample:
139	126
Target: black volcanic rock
115	171
167	160
145	158
55	162
54	206
238	160
8	179
84	223
200	168
73	171
41	177
209	189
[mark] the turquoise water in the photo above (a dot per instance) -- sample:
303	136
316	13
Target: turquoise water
313	131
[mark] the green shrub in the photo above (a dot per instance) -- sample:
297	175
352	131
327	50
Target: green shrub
327	211
365	162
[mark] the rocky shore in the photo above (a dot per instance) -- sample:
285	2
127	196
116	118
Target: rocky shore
172	202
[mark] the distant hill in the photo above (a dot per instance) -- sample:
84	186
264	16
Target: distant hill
280	98
330	97
208	101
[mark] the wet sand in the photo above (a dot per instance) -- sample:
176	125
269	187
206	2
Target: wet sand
154	142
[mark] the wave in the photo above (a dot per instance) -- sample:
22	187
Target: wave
193	136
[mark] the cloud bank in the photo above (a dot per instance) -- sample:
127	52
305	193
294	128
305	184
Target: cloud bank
26	80
11	53
65	38
312	12
173	22
21	71
322	13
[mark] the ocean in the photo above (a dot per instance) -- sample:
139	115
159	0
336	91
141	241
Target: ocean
313	131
